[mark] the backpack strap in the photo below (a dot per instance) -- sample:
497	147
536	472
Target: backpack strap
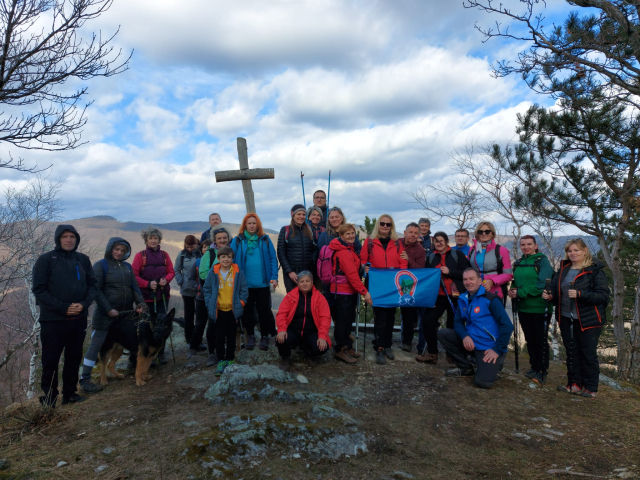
369	247
286	234
499	262
397	247
105	268
143	254
454	255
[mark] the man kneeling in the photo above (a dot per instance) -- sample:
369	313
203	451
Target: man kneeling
481	328
303	319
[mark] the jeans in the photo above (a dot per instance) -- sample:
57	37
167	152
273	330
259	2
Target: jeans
486	373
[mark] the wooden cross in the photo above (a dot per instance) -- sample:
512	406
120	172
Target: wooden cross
245	174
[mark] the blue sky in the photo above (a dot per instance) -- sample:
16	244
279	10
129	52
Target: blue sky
378	92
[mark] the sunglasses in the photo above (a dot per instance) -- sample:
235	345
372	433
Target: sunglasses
484	232
385	224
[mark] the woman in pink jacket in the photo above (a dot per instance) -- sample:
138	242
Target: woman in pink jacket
491	260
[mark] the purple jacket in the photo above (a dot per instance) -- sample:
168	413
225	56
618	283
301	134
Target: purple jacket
158	265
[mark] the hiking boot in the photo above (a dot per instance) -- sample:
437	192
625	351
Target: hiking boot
574	388
285	364
75	398
380	358
47	402
191	354
344	357
587	394
530	374
264	342
539	378
251	342
179	321
450	360
221	365
352	353
460	372
406	347
211	360
431	358
88	386
389	354
202	347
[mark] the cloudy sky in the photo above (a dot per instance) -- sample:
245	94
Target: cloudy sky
378	92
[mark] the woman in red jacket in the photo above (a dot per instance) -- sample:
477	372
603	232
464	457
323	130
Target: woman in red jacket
303	319
344	288
383	250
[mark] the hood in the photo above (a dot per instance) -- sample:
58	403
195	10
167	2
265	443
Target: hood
60	229
478	246
113	241
234	267
338	245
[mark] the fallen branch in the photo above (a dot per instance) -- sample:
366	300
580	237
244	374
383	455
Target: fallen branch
559	471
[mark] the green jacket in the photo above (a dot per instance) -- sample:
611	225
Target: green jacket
205	263
530	283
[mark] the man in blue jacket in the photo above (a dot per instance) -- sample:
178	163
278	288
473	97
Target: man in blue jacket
481	328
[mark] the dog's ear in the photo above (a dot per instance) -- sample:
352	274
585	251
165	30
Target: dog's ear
171	314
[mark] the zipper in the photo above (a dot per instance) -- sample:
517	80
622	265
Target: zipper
304	319
124	286
494	338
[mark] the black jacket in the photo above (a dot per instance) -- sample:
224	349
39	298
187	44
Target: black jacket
592	285
296	253
456	268
118	290
61	278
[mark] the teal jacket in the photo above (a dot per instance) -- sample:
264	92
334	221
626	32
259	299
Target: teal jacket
530	282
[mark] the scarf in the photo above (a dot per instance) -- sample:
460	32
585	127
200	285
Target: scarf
482	246
252	241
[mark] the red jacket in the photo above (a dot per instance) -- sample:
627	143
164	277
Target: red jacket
348	263
319	311
416	253
381	259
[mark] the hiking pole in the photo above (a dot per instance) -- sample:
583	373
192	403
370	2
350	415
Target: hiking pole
547	321
329	190
304	201
444	287
173	353
514	310
366	308
357	321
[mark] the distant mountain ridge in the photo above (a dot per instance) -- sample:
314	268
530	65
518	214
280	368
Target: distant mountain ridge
186	226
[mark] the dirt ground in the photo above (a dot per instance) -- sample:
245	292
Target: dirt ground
419	425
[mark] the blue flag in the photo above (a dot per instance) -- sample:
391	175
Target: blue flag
391	288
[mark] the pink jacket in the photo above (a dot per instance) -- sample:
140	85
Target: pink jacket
489	268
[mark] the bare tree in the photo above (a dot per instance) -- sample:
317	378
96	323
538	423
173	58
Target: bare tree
37	63
31	210
459	201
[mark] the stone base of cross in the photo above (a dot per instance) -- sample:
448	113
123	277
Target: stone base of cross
245	174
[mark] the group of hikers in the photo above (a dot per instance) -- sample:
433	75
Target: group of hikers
226	283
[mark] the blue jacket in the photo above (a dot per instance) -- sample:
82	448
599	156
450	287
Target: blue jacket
464	249
269	257
327	236
484	319
240	292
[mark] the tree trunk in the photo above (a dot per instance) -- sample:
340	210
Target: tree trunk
33	370
634	367
555	346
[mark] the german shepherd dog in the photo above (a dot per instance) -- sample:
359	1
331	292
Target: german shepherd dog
147	338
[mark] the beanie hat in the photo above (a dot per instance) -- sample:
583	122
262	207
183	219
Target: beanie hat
296	208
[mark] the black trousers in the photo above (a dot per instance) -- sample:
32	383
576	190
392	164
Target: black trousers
583	366
535	334
260	300
409	321
343	312
486	373
288	283
202	317
294	339
431	321
57	337
189	314
383	326
226	328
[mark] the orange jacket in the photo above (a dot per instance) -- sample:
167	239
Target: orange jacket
319	311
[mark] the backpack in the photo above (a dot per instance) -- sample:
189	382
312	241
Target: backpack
454	255
105	267
143	254
536	264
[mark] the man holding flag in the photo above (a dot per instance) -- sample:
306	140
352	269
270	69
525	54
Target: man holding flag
481	328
